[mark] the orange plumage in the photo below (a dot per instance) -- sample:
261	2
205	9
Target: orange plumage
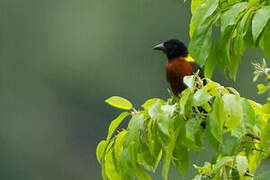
176	69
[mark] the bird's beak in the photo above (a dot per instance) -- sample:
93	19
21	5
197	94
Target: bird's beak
160	47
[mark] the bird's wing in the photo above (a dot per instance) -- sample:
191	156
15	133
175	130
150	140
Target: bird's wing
196	67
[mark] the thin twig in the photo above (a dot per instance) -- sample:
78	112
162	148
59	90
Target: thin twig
247	173
253	135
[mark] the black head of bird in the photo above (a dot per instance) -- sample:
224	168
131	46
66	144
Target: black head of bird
173	48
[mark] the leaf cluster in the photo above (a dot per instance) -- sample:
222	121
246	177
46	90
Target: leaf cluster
166	131
240	24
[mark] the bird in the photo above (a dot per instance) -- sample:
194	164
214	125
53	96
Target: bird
179	64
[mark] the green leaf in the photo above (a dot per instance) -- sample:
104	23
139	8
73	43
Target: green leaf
230	16
222	162
197	177
181	158
248	122
155	110
231	146
140	173
200	44
119	102
233	107
195	5
111	166
248	38
211	63
262	172
201	97
192	127
266	108
213	128
206	169
265	138
154	143
151	102
115	123
188	142
166	121
163	115
222	48
201	14
168	150
244	23
229	21
101	149
266	41
219	113
185	96
259	21
134	126
119	143
241	164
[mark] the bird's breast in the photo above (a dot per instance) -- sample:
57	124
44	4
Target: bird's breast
176	69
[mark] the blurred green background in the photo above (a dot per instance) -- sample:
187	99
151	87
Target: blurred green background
59	60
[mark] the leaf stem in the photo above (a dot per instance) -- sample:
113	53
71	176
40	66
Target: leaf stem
253	135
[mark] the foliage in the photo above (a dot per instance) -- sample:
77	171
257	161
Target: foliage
170	130
166	131
240	24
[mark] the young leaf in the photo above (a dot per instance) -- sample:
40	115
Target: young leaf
185	95
151	102
206	169
115	123
119	143
241	164
189	81
134	127
110	166
155	110
101	149
201	97
166	120
259	21
198	177
119	102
